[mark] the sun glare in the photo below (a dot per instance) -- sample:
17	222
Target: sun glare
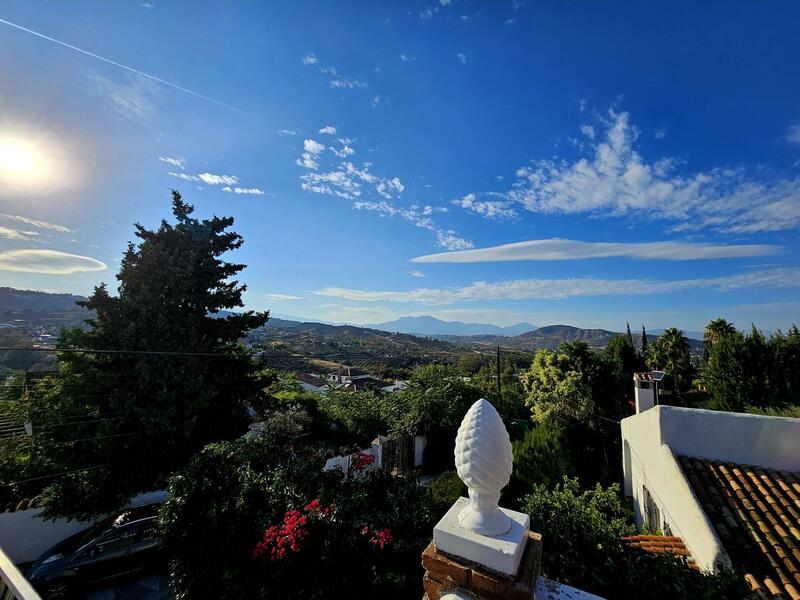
16	159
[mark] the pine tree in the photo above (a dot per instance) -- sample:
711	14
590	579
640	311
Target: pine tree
162	377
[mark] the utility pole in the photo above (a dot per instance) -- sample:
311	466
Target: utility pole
498	375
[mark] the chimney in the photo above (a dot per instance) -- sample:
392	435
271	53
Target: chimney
480	550
645	391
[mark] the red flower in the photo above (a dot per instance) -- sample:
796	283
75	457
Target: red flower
360	461
382	538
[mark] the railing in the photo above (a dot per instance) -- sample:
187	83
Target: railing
13	585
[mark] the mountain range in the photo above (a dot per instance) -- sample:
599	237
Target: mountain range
432	326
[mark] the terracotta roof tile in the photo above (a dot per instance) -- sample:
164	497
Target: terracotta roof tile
756	513
660	544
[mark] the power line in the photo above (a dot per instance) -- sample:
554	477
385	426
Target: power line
92	468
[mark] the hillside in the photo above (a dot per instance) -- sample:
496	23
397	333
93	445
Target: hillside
427	325
347	344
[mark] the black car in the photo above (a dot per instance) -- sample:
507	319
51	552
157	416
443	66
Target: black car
121	544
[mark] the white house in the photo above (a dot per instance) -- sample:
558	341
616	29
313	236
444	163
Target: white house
727	484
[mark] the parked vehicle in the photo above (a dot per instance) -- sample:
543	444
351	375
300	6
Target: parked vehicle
118	545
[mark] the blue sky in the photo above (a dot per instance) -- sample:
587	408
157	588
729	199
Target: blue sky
379	158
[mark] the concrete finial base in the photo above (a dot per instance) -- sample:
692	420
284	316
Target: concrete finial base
446	574
500	553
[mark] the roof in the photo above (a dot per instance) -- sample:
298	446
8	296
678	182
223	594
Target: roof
756	514
369	382
660	544
310	379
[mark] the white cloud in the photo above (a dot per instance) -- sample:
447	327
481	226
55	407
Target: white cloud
9	233
616	180
491	209
211	179
342	82
184	176
367	191
287	132
376	100
660	134
146	5
328	129
588	131
284	297
240	190
428	12
313	147
50	262
793	134
132	101
416	273
407	58
560	249
310	59
462	57
174	161
555	289
36	223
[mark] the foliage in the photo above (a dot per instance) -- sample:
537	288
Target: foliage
112	424
672	353
581	530
541	458
274	525
446	489
557	392
357	417
435	402
751	372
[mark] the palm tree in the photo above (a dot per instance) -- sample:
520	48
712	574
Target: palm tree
676	348
716	330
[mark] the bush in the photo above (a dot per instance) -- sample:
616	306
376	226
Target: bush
446	489
541	457
581	531
258	518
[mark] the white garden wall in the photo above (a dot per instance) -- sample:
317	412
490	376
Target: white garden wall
24	535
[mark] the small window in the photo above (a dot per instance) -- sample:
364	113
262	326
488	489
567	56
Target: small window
645	385
652	514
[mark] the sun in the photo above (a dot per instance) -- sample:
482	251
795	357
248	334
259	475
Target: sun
15	159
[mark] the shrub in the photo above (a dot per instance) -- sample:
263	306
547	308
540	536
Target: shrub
581	531
541	457
446	489
257	518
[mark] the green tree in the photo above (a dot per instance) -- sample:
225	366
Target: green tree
714	332
675	347
433	404
557	391
540	458
643	351
724	373
157	375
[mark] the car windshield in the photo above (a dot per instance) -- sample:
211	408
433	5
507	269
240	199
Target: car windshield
115	521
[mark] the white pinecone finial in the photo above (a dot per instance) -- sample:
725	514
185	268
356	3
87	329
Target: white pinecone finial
484	463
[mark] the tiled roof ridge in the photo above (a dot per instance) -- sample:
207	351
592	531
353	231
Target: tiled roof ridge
755	511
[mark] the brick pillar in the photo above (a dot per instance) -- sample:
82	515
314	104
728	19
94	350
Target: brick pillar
444	573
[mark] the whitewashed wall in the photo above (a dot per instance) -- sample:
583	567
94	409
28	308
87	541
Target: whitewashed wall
652	439
24	535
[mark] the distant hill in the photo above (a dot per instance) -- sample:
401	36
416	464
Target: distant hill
325	346
428	325
29	301
553	335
